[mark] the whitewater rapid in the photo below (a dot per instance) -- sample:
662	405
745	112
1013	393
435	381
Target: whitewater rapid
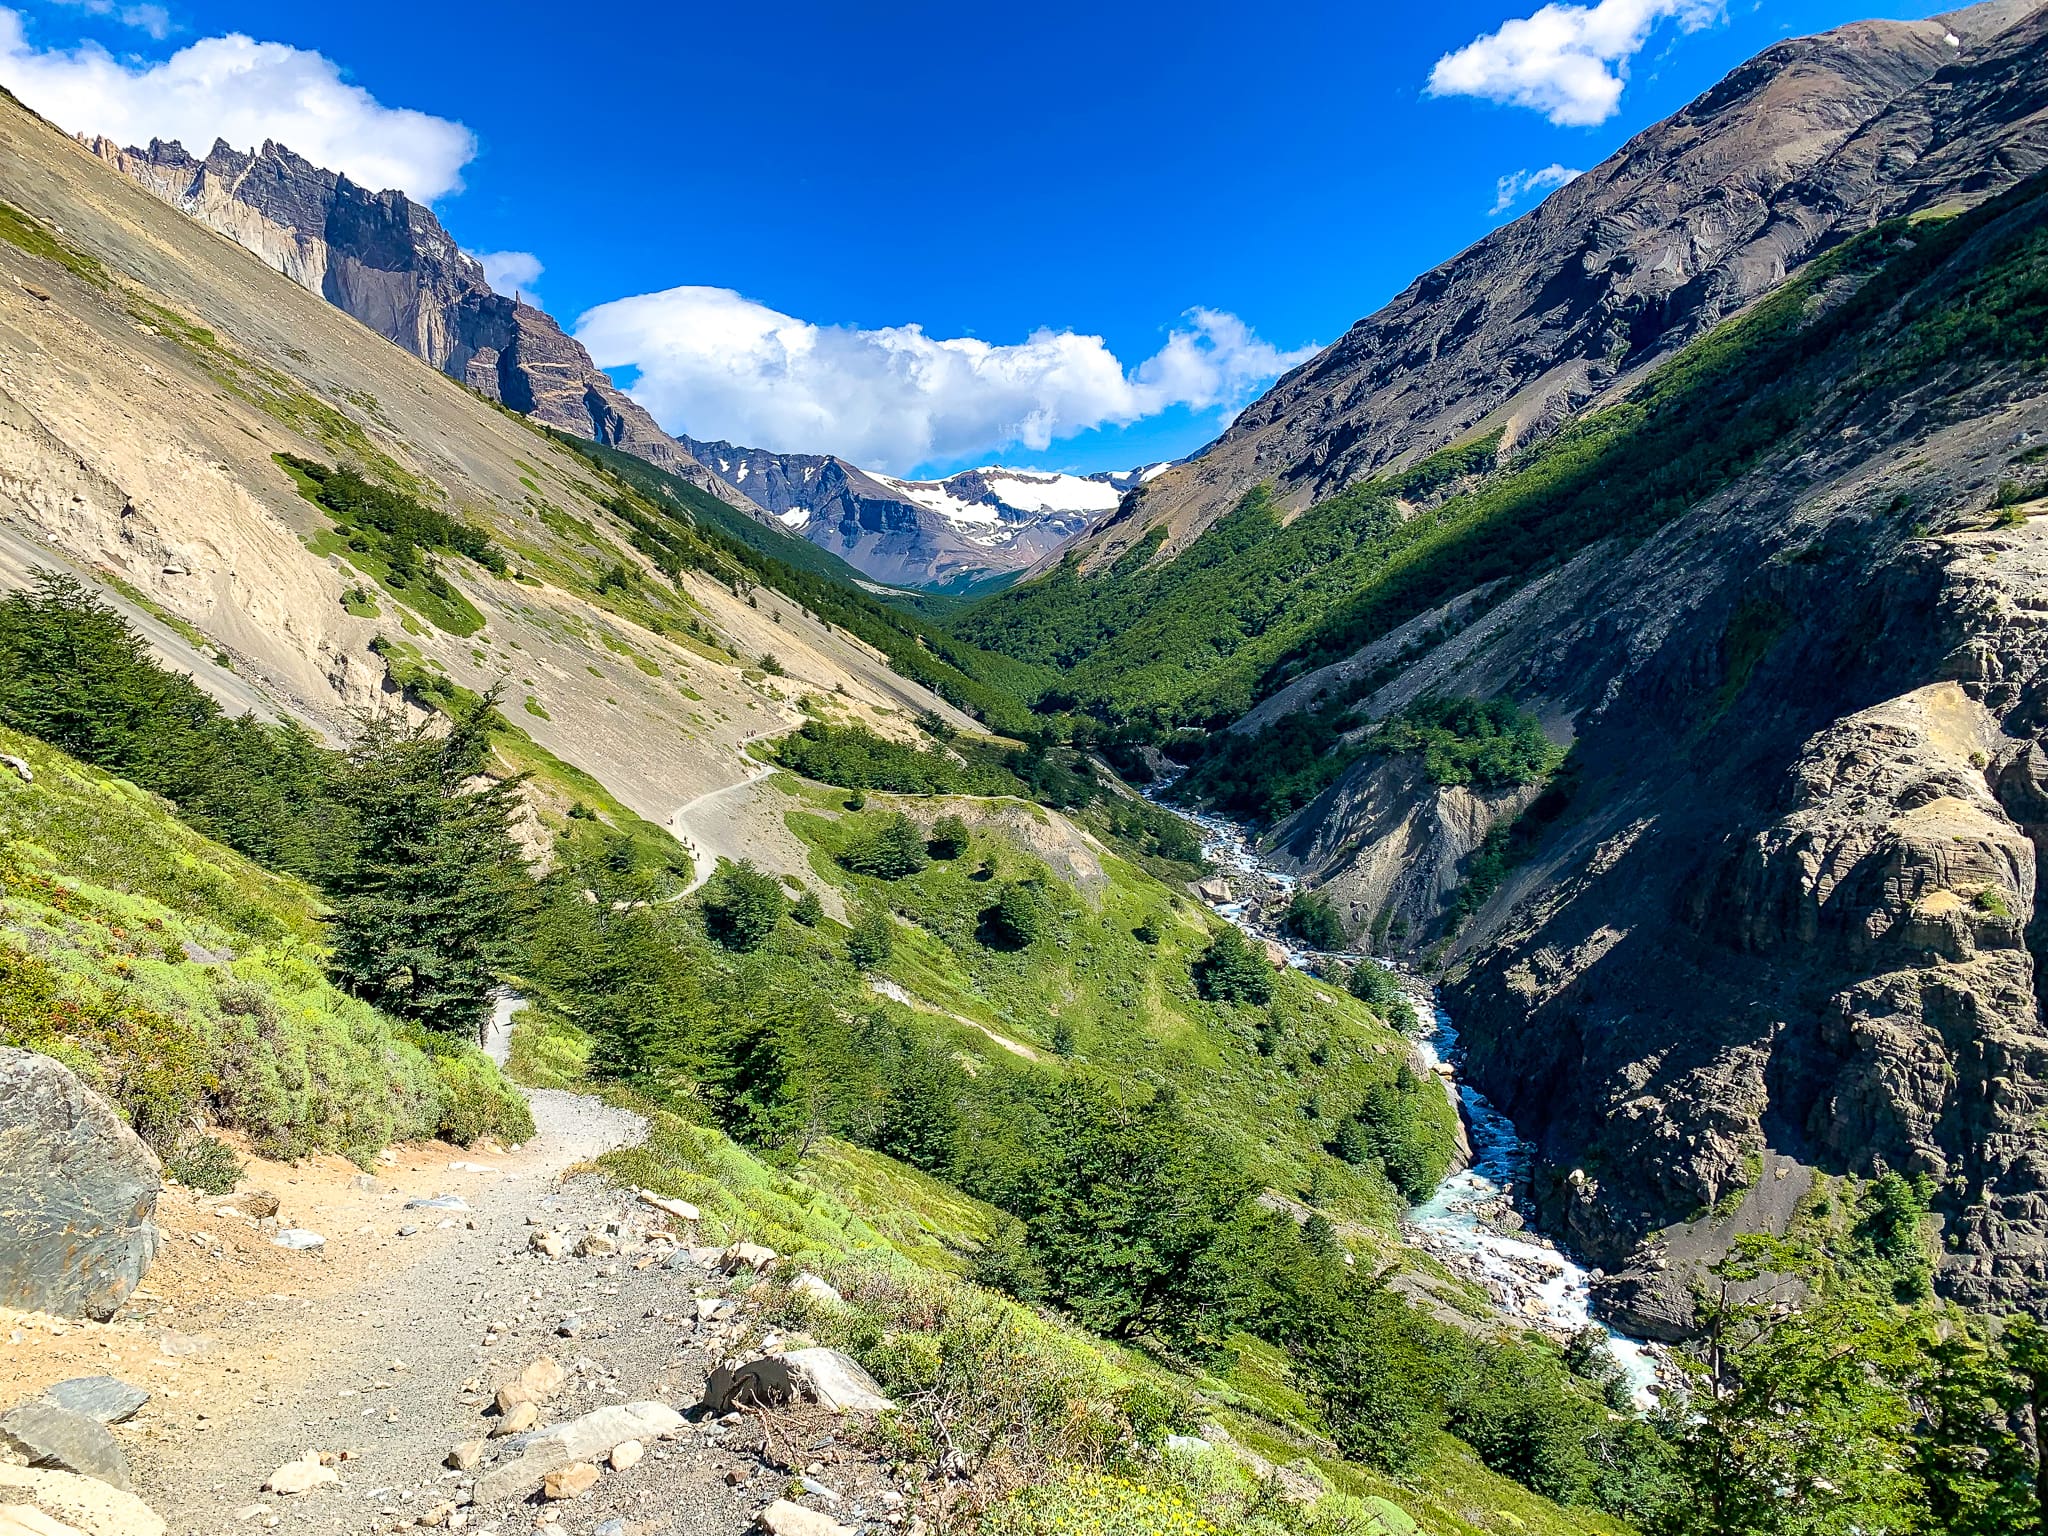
1461	1223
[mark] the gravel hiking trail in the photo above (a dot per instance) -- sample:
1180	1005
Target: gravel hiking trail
389	1345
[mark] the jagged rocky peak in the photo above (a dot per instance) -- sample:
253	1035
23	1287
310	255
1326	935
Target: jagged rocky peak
1812	140
390	263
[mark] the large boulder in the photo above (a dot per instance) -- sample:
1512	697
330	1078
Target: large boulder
39	1434
77	1193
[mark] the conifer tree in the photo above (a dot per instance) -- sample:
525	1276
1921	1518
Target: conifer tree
429	901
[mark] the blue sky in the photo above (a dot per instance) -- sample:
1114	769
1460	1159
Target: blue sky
752	202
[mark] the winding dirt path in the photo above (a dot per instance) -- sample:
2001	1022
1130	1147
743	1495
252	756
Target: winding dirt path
711	838
389	1347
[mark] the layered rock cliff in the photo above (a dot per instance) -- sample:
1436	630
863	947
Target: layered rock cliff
1813	140
386	260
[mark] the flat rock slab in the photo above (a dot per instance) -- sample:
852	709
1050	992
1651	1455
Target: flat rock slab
78	1193
586	1439
106	1398
39	1434
85	1504
836	1381
783	1518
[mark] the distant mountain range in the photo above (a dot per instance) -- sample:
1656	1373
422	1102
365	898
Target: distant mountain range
387	260
950	534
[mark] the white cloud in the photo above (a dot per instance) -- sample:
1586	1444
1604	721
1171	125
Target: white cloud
715	364
510	272
1516	185
153	19
1568	62
237	89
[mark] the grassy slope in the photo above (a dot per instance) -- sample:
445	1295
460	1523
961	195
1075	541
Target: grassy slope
1273	1082
187	983
989	685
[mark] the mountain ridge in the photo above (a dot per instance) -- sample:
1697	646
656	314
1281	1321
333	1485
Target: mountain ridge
387	261
953	533
1693	218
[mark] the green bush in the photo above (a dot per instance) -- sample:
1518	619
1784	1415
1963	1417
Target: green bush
949	838
1016	919
476	1100
872	939
1232	970
205	1163
892	849
807	909
742	905
1374	985
1312	919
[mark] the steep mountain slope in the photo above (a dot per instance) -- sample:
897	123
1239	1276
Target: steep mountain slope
150	371
944	534
1775	918
386	260
1812	140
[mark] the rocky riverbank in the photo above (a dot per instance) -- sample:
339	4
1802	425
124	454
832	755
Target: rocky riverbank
1475	1224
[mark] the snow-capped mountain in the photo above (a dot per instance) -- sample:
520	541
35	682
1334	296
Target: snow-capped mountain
949	533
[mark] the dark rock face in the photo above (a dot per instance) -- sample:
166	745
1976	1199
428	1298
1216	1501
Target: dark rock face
1811	141
41	1434
387	261
77	1193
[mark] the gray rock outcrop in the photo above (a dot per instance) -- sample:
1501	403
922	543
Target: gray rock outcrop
105	1398
78	1193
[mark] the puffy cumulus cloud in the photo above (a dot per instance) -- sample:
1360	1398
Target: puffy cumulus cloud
510	272
1568	62
1516	185
716	364
153	19
237	89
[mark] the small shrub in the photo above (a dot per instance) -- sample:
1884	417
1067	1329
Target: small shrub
1085	1503
1990	900
207	1164
1232	971
948	839
808	910
873	938
771	664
